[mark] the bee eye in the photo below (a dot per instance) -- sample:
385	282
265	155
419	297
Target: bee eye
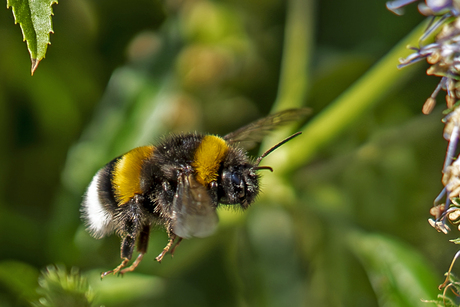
236	179
233	187
238	182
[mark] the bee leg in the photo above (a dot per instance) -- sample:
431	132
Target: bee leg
172	237
175	246
127	247
118	268
142	244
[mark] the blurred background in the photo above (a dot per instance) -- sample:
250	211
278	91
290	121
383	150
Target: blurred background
343	218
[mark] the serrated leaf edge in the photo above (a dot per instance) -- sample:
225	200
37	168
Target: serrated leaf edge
34	61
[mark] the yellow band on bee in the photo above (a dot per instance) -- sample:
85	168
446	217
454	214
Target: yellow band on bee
127	172
208	157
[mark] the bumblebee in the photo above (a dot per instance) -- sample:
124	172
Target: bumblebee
179	184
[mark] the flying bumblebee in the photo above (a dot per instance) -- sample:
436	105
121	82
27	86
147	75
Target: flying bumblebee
178	183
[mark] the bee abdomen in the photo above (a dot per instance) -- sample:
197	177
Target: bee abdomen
99	204
126	176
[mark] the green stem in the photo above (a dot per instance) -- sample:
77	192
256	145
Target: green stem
294	81
339	115
296	54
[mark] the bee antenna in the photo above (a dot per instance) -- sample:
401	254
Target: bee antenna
258	168
270	150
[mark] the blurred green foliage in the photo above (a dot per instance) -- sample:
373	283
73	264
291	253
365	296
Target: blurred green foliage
343	218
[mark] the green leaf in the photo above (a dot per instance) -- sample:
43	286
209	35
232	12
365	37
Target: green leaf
398	273
34	18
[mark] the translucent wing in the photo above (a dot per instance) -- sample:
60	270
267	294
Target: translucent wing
193	212
249	135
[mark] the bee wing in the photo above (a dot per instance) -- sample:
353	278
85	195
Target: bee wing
249	135
193	211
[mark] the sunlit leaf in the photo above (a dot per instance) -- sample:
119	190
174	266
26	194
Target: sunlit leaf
34	18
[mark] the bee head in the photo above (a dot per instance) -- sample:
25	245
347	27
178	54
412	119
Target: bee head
240	185
240	180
